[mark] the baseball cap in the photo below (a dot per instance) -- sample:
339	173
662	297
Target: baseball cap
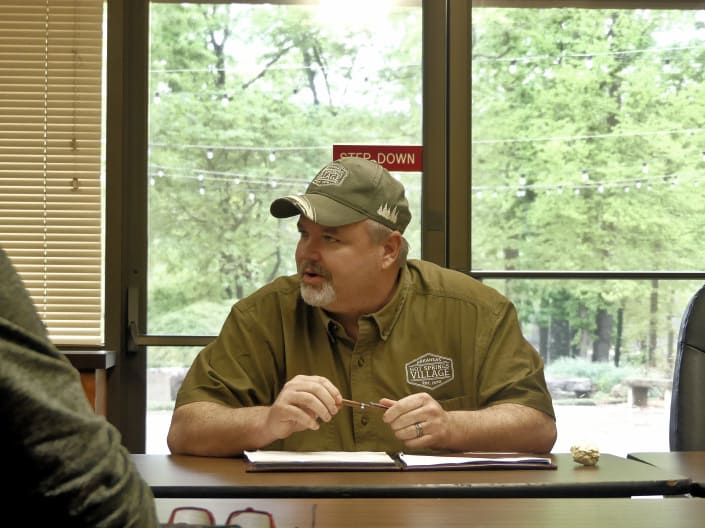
346	191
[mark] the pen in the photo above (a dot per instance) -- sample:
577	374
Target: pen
362	405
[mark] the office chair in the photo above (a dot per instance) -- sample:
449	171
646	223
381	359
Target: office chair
687	423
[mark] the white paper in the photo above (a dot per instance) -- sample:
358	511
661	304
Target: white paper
319	457
430	460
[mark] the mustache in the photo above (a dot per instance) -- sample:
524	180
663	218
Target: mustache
312	267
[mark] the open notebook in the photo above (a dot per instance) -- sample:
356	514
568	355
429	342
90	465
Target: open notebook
262	460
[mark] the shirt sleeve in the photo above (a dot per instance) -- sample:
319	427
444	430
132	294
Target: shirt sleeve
67	464
242	367
512	369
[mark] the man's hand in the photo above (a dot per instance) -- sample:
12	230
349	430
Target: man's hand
418	420
303	401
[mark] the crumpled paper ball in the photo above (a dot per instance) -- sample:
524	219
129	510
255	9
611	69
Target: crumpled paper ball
587	455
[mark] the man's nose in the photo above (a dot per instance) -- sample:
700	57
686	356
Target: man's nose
309	249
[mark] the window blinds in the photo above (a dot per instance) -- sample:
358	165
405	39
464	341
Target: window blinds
50	159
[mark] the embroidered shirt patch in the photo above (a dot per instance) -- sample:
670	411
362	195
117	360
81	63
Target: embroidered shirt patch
429	371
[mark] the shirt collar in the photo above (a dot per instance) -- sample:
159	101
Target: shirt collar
386	317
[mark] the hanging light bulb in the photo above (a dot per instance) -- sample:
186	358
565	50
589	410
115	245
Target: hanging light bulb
522	180
645	168
272	156
209	153
513	67
585	176
588	62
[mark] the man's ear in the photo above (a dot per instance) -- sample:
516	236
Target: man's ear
391	248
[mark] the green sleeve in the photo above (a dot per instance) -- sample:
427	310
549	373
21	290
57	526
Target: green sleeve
67	465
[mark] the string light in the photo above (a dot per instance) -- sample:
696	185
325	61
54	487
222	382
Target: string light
625	185
615	135
527	59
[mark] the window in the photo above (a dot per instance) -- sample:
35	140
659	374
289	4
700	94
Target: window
50	159
247	100
587	190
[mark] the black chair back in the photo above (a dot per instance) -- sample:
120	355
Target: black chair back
687	424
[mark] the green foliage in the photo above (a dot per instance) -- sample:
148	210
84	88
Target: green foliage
247	103
587	155
570	108
604	376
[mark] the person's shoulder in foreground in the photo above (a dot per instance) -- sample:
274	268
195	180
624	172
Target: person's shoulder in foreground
66	464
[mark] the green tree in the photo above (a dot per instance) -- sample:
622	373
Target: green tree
247	103
585	158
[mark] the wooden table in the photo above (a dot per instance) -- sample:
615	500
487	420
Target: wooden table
690	463
93	366
204	477
449	513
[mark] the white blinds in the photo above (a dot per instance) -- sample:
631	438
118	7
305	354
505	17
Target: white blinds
50	159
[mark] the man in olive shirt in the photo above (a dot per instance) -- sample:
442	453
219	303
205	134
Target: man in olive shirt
63	465
442	351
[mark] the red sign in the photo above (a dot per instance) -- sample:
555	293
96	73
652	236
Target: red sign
399	158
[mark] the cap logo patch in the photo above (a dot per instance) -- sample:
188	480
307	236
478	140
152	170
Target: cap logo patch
429	371
387	212
332	174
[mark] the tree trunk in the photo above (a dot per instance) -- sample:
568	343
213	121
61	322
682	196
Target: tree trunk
603	343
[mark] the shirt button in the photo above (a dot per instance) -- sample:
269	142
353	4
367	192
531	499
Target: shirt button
360	361
364	419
